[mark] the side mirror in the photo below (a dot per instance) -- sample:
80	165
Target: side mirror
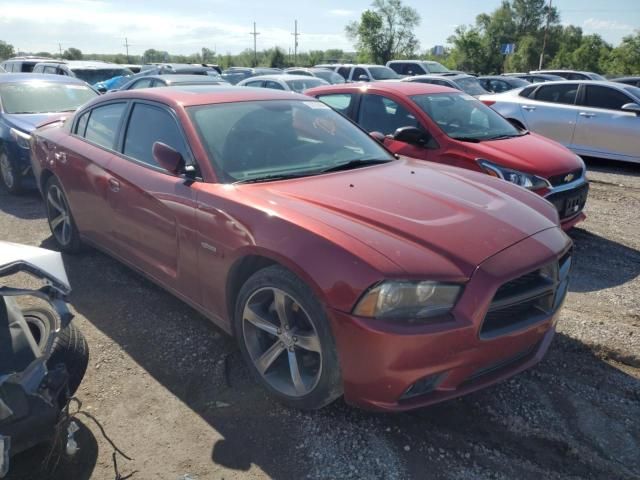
363	78
168	158
377	136
412	136
632	107
101	90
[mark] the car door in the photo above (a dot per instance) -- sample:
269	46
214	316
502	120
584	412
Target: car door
153	209
82	160
552	111
603	128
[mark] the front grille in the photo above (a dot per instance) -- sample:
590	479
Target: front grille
569	202
565	178
528	299
500	366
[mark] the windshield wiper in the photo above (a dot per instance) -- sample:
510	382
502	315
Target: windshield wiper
469	139
354	164
268	178
504	137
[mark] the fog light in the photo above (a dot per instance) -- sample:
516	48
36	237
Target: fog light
422	387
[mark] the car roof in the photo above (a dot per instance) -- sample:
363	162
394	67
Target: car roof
453	77
38	77
178	78
91	64
188	96
285	77
630	77
560	70
398	87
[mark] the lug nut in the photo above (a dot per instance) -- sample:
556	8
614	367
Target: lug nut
295	339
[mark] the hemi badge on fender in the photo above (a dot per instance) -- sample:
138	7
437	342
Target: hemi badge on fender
206	246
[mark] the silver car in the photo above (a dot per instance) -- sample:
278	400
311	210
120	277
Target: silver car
596	119
284	81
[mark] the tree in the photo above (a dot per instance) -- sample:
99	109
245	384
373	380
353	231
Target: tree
153	55
591	54
625	58
386	31
72	54
208	55
468	53
6	50
278	59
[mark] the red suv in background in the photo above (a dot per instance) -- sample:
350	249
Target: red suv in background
440	124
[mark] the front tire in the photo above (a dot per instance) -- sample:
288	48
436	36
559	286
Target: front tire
10	175
61	223
285	338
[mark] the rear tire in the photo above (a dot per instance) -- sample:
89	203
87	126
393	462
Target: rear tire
70	347
296	359
61	223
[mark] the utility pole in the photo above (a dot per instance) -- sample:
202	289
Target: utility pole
255	45
126	45
60	48
295	43
544	40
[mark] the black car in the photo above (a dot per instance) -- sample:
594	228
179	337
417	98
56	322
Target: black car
152	81
535	77
501	83
635	81
467	83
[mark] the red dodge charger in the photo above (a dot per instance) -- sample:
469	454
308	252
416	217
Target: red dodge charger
339	268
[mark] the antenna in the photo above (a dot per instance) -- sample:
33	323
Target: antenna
295	43
255	48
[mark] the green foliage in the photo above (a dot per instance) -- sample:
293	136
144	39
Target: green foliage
625	59
385	32
6	50
278	59
72	54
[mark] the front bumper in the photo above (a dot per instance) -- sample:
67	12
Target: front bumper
381	361
570	200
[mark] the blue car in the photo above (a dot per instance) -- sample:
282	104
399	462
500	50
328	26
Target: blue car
26	101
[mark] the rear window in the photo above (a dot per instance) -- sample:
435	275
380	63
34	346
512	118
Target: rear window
471	86
382	73
435	67
43	97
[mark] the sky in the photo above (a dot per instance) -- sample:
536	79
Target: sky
185	26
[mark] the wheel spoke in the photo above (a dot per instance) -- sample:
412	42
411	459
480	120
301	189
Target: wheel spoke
308	341
65	232
54	203
57	221
298	384
256	320
280	303
267	358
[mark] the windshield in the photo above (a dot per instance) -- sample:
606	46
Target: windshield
595	76
635	91
516	82
278	138
463	117
92	75
303	84
435	67
471	86
382	73
43	97
329	76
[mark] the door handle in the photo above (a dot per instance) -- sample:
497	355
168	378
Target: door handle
114	185
587	114
528	108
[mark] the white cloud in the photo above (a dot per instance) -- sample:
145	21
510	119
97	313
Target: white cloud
338	12
594	24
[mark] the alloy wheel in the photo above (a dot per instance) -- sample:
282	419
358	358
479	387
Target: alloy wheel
8	176
282	342
58	215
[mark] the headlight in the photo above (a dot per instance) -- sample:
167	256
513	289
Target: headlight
526	180
22	139
408	300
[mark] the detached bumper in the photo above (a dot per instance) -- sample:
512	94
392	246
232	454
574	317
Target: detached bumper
395	367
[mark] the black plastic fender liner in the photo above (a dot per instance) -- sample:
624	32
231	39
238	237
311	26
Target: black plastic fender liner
16	344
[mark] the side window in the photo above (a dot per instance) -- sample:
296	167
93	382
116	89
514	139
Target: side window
139	139
576	76
560	93
51	70
81	126
257	83
605	97
358	72
273	85
102	127
27	67
498	86
344	71
397	67
526	93
381	114
340	102
443	83
143	83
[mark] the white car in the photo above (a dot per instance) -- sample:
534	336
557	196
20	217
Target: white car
592	118
294	83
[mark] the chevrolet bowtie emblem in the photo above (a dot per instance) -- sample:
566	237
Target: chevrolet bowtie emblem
569	177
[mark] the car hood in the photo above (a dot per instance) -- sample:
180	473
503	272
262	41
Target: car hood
411	211
28	122
530	153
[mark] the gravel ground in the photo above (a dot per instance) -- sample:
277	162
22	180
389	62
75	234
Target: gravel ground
171	390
